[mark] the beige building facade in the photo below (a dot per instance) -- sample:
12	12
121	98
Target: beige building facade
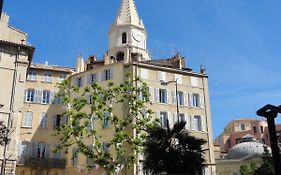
193	93
15	57
41	114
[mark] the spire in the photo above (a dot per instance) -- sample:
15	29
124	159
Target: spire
128	14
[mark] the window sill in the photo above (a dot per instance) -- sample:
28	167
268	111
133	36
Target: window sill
47	82
31	80
26	127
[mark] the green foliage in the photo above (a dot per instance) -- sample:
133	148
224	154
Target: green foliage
248	170
101	104
266	167
173	151
4	132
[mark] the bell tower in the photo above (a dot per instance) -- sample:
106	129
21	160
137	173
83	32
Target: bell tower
127	35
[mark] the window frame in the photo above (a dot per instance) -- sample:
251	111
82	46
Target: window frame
28	118
46	97
47	77
163	96
32	75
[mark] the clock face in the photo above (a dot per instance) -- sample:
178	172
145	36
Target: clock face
137	35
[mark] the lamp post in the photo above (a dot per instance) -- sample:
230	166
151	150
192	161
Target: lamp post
270	112
165	83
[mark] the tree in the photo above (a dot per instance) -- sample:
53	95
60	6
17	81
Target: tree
173	151
4	132
248	170
103	105
267	164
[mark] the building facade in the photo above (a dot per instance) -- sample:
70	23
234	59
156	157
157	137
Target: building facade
41	114
128	53
15	57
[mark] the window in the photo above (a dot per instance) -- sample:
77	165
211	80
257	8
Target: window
196	100
60	120
46	97
124	38
30	95
57	155
237	140
40	150
47	77
107	74
197	123
263	141
32	75
61	78
162	95
255	129
164	119
180	98
228	143
79	82
161	76
106	120
194	81
43	120
90	125
261	129
144	73
74	159
120	56
182	117
94	78
27	119
105	146
242	126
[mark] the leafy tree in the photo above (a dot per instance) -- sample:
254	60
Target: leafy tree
266	167
104	106
4	132
173	151
248	170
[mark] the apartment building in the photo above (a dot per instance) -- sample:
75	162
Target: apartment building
237	129
41	114
128	53
15	57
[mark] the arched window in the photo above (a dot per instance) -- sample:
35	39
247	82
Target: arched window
120	56
124	38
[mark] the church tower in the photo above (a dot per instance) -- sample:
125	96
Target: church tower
127	35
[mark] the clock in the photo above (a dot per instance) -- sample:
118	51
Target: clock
137	35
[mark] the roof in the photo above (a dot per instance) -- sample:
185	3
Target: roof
18	47
52	68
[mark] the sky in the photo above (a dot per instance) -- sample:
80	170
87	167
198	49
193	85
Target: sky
238	41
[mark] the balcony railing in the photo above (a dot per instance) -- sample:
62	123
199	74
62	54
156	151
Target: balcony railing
42	162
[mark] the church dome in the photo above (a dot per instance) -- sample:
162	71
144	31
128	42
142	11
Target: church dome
245	149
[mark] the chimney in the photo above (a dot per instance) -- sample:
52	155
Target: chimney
80	65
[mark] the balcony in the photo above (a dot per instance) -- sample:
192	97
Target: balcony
42	162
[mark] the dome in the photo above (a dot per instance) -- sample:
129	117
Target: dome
246	149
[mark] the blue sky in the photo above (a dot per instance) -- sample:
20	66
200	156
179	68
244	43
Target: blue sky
238	41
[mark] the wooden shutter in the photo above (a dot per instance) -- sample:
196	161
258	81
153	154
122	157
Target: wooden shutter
192	122
202	102
170	119
38	96
190	96
185	99
52	97
174	99
89	79
203	124
47	150
187	125
168	96
151	96
111	74
156	94
34	149
25	95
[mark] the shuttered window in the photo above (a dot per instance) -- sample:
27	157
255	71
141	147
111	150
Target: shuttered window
27	119
43	120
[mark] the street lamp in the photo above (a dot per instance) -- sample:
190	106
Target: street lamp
270	112
165	83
